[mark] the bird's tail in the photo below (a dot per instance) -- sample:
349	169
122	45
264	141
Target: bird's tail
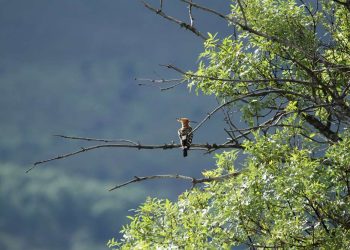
184	152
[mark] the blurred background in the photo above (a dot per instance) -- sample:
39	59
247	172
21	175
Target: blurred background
68	67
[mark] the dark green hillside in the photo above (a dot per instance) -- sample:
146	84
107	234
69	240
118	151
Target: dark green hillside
68	67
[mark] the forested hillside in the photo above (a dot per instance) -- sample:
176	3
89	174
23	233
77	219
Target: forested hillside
68	67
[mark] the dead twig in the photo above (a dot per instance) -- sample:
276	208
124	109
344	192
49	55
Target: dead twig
96	140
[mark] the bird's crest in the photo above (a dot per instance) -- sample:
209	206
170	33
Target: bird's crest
184	121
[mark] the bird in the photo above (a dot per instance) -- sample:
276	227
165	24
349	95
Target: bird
185	134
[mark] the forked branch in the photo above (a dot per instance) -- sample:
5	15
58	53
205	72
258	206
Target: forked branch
174	20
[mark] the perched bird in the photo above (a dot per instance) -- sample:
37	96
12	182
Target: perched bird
185	134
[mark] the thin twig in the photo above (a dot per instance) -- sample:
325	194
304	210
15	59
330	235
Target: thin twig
96	140
171	86
162	88
193	180
190	14
159	80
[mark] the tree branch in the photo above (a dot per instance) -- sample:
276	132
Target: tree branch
172	19
193	180
137	146
95	140
323	129
262	92
157	82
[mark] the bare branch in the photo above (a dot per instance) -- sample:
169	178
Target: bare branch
206	147
163	88
157	82
173	19
193	180
171	86
160	81
95	140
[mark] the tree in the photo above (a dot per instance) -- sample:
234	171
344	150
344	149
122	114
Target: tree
285	68
284	71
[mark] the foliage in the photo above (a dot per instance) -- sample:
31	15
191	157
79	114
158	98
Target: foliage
286	69
284	199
